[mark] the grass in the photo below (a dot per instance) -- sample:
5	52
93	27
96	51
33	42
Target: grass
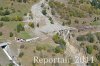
24	35
95	23
19	8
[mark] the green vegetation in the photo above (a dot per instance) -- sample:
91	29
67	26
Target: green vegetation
89	49
58	50
33	64
98	35
10	64
57	39
10	34
1	24
21	54
96	3
31	24
5	19
44	12
81	38
20	27
88	37
51	21
98	56
24	35
64	11
95	23
0	33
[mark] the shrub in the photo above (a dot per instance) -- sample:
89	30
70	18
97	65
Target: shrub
89	49
58	50
31	24
6	12
20	28
1	24
11	64
56	38
38	25
77	21
5	18
81	38
40	47
44	12
18	18
90	37
21	54
98	35
98	56
0	33
51	21
59	40
10	34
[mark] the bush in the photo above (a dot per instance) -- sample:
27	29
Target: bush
89	49
6	12
11	64
44	12
40	47
1	24
31	24
10	34
51	21
56	38
76	21
98	35
90	37
17	18
59	40
20	28
58	50
21	54
98	56
5	18
81	38
0	33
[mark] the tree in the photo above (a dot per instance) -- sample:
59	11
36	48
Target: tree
11	34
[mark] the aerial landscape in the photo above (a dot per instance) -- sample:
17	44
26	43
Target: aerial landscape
49	32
